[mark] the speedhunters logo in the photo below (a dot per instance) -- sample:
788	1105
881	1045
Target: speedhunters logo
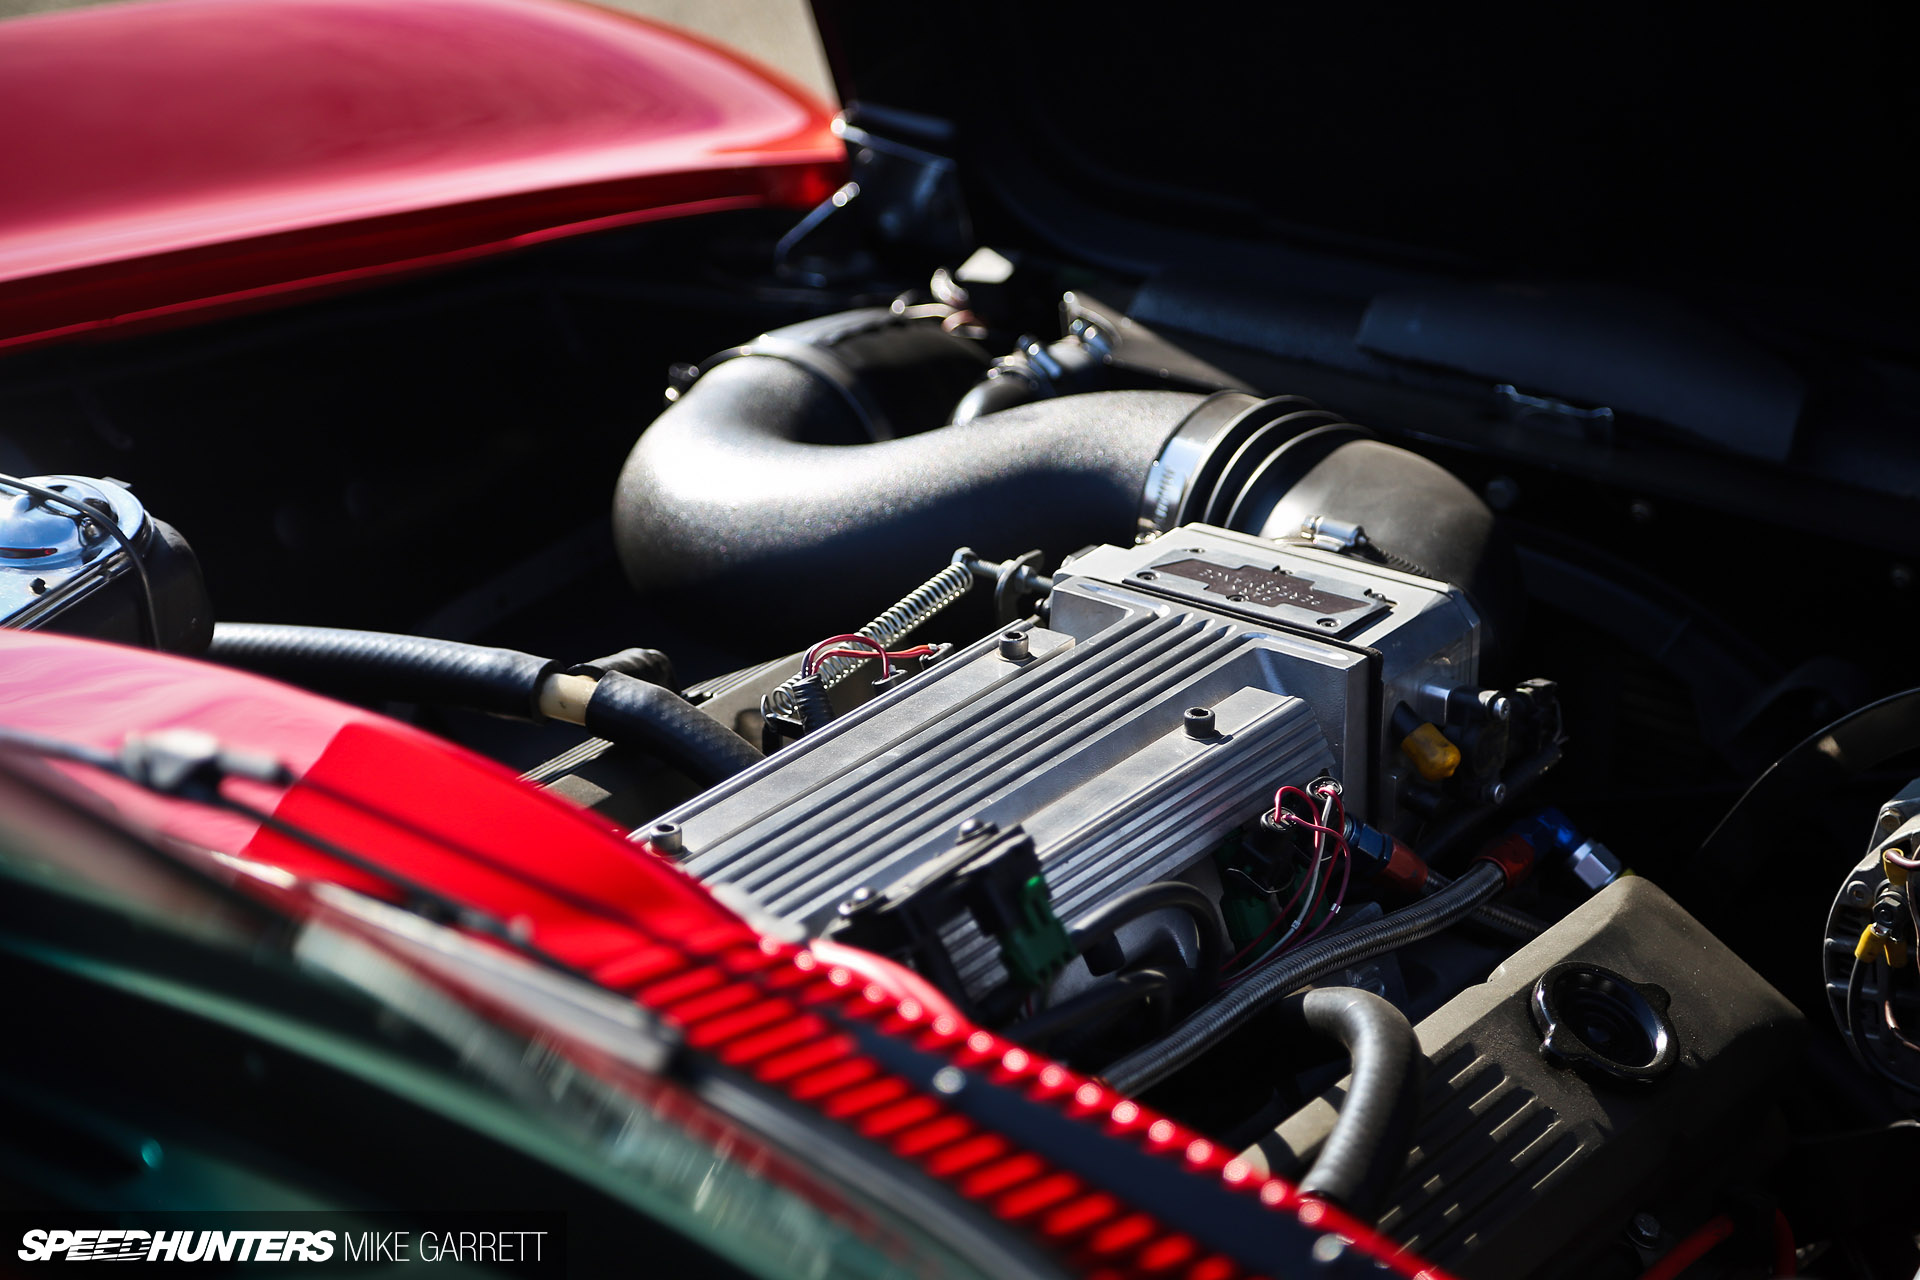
509	1244
97	1245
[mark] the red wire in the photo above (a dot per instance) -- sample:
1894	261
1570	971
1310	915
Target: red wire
919	651
1339	899
1691	1250
1319	851
1346	873
1272	924
811	662
823	651
1281	815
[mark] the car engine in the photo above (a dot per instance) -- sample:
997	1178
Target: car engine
1343	581
1228	771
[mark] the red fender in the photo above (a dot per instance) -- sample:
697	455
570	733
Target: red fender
176	157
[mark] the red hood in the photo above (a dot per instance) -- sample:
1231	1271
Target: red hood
170	155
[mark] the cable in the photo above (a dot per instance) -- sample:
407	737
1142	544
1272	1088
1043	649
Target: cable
811	663
887	657
1280	813
1690	1250
1893	855
1857	1040
1254	946
907	613
1306	886
1893	1023
112	526
1339	898
1324	956
1333	822
1311	886
1509	922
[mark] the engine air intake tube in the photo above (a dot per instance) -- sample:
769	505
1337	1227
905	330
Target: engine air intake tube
811	464
763	482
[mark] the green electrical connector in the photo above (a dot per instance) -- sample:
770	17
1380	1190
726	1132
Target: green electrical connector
1036	946
1246	910
1247	915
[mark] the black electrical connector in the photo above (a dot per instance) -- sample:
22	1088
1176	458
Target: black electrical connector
990	874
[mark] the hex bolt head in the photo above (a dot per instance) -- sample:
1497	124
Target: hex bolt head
1014	646
1500	707
972	829
1200	723
1496	792
667	837
1645	1229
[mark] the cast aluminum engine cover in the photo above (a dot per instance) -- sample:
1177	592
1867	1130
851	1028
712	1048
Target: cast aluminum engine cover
1300	654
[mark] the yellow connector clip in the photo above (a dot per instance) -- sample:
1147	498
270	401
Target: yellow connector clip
1434	758
1874	946
1895	873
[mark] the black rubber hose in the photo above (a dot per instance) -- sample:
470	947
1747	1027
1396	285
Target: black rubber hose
1101	924
650	665
631	711
375	666
1099	1002
1317	959
752	436
1368	1145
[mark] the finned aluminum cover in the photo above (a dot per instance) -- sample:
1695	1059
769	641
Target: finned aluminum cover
1083	741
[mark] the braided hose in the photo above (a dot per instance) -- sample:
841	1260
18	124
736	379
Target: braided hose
929	598
1148	1066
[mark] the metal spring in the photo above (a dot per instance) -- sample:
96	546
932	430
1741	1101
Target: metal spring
929	598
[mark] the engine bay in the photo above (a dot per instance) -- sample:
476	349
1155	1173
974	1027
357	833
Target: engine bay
1383	807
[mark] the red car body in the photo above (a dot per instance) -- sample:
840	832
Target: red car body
173	158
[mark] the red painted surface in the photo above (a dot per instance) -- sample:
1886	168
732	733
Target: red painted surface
163	157
789	1016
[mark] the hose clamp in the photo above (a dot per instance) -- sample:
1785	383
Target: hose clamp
1233	454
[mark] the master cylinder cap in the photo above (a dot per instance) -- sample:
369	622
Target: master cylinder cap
65	567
